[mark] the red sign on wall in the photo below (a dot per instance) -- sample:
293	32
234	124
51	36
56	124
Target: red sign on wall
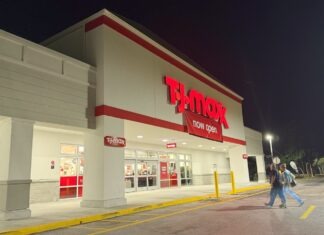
195	101
114	141
164	171
171	145
245	156
203	127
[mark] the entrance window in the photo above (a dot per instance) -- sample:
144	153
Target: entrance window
71	177
71	171
146	174
168	174
185	170
146	170
129	175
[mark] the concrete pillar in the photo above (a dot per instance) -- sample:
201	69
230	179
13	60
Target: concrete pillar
16	138
104	166
238	164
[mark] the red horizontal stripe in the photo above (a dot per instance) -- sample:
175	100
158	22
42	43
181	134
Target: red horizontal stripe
105	20
105	110
235	141
123	114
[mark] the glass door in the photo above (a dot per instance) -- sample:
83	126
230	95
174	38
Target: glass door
185	173
142	175
71	177
173	174
129	175
168	174
146	175
152	174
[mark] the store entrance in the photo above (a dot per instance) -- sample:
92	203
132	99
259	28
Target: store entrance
140	175
71	177
146	175
168	174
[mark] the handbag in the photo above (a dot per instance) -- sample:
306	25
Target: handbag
293	183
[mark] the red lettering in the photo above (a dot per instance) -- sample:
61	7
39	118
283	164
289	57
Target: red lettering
195	102
173	88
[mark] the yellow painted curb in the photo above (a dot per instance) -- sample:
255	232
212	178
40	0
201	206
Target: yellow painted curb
128	211
250	188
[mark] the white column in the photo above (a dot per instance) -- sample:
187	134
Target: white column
16	138
104	166
238	164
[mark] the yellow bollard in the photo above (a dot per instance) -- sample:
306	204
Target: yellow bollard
233	183
216	184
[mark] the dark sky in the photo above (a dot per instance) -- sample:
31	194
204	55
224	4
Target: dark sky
269	52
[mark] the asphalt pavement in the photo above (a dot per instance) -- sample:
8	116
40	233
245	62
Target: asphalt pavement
66	213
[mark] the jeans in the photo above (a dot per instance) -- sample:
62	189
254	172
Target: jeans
273	194
291	193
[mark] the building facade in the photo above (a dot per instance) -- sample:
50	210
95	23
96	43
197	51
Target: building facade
108	110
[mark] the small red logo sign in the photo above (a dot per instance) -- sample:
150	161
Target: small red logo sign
114	141
171	145
245	156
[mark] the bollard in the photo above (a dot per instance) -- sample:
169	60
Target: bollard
233	183
216	184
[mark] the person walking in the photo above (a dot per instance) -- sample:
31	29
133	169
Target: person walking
276	181
288	178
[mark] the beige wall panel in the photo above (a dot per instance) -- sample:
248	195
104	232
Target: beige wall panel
134	81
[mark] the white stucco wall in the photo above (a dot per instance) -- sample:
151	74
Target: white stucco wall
39	84
46	148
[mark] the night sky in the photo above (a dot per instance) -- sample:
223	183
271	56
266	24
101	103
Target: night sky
269	52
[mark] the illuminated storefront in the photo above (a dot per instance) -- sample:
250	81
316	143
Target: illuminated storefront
122	114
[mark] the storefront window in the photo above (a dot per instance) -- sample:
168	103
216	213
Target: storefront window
153	155
129	153
129	172
71	170
145	169
141	154
186	171
172	156
181	157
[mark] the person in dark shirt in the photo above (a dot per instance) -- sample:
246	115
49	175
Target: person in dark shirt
276	181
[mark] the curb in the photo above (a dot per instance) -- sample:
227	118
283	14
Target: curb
128	211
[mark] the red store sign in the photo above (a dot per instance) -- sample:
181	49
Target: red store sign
114	141
203	127
195	102
171	145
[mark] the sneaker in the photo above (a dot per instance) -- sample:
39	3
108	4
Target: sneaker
268	206
302	203
282	206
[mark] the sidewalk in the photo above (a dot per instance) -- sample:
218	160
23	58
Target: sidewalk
46	216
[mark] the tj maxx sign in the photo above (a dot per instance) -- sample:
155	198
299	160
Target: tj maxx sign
195	102
204	115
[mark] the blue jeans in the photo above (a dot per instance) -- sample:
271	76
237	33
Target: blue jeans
291	193
273	194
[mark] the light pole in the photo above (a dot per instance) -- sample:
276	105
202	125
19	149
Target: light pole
270	137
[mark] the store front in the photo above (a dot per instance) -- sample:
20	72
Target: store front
149	170
78	128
